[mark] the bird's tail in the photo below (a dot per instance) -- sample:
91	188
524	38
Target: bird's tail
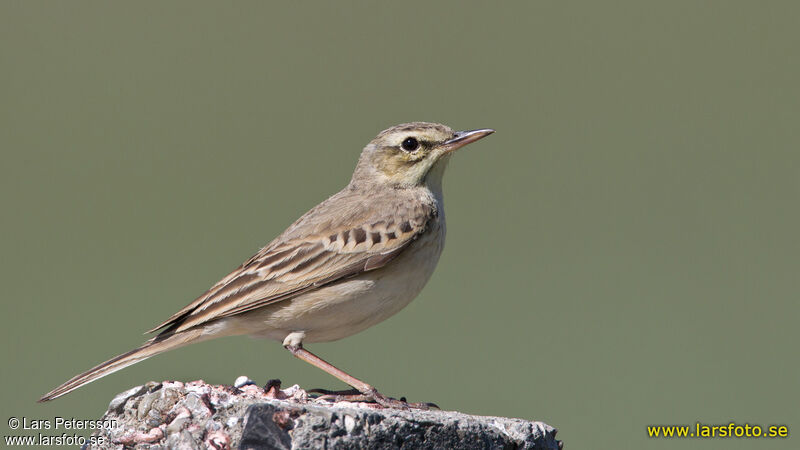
158	344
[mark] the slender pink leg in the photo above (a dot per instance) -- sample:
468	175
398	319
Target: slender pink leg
368	392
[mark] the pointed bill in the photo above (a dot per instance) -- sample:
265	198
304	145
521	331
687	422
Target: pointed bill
463	138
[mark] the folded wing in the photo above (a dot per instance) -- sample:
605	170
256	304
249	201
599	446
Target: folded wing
306	257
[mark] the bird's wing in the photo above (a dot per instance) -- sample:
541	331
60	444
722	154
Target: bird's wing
310	254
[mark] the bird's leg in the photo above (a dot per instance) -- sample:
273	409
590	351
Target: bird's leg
367	392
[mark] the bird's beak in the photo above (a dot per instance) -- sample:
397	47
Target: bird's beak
463	138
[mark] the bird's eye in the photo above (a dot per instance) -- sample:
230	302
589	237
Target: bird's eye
410	144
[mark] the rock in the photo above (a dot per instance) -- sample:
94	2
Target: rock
198	415
242	381
119	401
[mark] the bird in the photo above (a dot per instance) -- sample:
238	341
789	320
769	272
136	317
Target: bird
347	264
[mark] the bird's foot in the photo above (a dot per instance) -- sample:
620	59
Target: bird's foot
389	402
353	395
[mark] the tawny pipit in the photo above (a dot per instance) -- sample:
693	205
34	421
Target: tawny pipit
352	261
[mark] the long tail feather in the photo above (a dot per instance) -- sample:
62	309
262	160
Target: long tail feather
150	348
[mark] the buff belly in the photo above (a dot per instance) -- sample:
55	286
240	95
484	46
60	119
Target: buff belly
349	306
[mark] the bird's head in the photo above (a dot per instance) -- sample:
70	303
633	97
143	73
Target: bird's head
411	154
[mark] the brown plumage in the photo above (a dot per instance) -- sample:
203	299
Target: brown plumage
351	261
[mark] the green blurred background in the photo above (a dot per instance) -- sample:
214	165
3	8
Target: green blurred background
622	252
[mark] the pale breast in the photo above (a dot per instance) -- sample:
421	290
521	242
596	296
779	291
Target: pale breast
352	305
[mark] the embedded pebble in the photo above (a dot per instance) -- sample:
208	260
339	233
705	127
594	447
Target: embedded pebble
232	421
196	431
296	392
173	384
145	404
243	381
349	423
119	401
180	420
197	406
154	418
252	389
155	434
182	441
199	387
218	440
